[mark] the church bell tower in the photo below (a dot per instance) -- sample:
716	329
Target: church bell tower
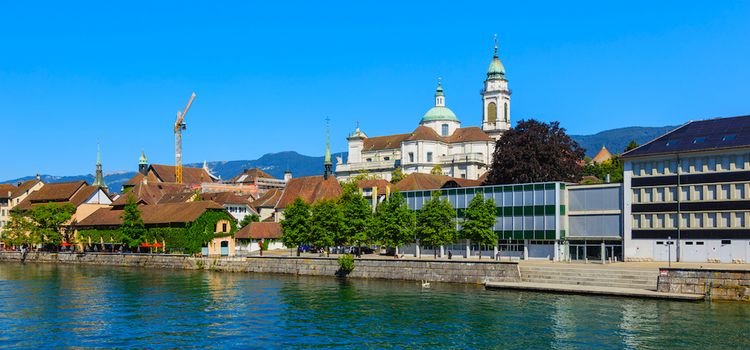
495	99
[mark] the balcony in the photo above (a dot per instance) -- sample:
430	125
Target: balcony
462	158
366	166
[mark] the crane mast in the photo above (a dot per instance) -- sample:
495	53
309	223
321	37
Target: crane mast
180	125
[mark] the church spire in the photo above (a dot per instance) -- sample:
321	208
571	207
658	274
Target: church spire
439	94
99	177
327	164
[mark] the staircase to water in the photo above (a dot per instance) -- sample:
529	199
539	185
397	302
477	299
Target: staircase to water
586	276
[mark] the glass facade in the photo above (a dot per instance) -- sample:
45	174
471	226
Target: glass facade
527	211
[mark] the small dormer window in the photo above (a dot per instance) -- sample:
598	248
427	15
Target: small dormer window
672	143
729	137
445	129
699	140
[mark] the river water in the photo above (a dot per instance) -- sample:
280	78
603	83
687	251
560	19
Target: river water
88	306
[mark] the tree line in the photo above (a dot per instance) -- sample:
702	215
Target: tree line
350	221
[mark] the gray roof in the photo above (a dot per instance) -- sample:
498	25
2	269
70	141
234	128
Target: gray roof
697	136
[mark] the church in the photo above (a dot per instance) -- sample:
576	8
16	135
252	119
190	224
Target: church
439	143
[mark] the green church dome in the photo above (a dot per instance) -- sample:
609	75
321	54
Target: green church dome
496	69
439	113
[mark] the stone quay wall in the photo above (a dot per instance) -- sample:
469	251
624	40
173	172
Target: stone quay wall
714	283
394	269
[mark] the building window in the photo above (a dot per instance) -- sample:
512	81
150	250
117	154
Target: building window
444	129
369	159
739	219
698	193
740	191
429	157
387	158
491	113
725	192
224	227
507	116
411	157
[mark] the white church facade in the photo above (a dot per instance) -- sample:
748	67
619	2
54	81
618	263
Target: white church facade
438	141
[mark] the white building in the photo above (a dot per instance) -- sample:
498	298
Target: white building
439	140
687	194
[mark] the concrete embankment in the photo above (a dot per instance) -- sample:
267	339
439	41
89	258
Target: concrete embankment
716	284
402	269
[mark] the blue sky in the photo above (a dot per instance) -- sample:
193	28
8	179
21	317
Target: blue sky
267	73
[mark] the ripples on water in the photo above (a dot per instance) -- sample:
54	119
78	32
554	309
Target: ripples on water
84	306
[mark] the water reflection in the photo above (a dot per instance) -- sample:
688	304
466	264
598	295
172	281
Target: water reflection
87	306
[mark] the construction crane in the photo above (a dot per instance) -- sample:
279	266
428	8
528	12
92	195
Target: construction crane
180	125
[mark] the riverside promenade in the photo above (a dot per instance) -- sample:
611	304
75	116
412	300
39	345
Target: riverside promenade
644	280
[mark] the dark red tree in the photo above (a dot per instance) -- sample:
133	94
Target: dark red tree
535	152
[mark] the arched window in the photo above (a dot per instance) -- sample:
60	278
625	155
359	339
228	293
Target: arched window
491	113
445	129
507	117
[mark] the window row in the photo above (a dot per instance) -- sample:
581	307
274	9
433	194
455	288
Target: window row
693	165
714	192
691	220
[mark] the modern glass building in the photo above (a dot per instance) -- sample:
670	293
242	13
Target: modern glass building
532	220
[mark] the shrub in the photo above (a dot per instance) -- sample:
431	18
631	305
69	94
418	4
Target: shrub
346	263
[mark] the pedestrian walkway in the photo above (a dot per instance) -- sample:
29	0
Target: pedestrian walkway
592	290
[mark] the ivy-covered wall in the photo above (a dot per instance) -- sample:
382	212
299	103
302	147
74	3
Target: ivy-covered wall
187	239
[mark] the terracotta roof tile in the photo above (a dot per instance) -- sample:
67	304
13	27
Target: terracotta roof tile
249	176
384	142
468	134
310	189
268	199
53	192
224	198
260	230
190	176
158	214
602	156
423	182
152	192
25	186
6	191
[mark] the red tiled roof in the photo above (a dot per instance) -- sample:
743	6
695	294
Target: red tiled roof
153	193
224	198
25	186
384	142
268	199
310	189
6	191
249	176
423	182
53	192
602	156
171	213
424	133
468	134
260	230
190	176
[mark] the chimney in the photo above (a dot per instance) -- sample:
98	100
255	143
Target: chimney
606	179
19	184
287	175
38	177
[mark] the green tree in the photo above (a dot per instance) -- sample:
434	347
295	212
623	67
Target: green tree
613	167
357	214
47	221
437	170
327	223
132	229
435	226
397	175
18	230
535	152
295	228
631	145
479	219
393	222
248	219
